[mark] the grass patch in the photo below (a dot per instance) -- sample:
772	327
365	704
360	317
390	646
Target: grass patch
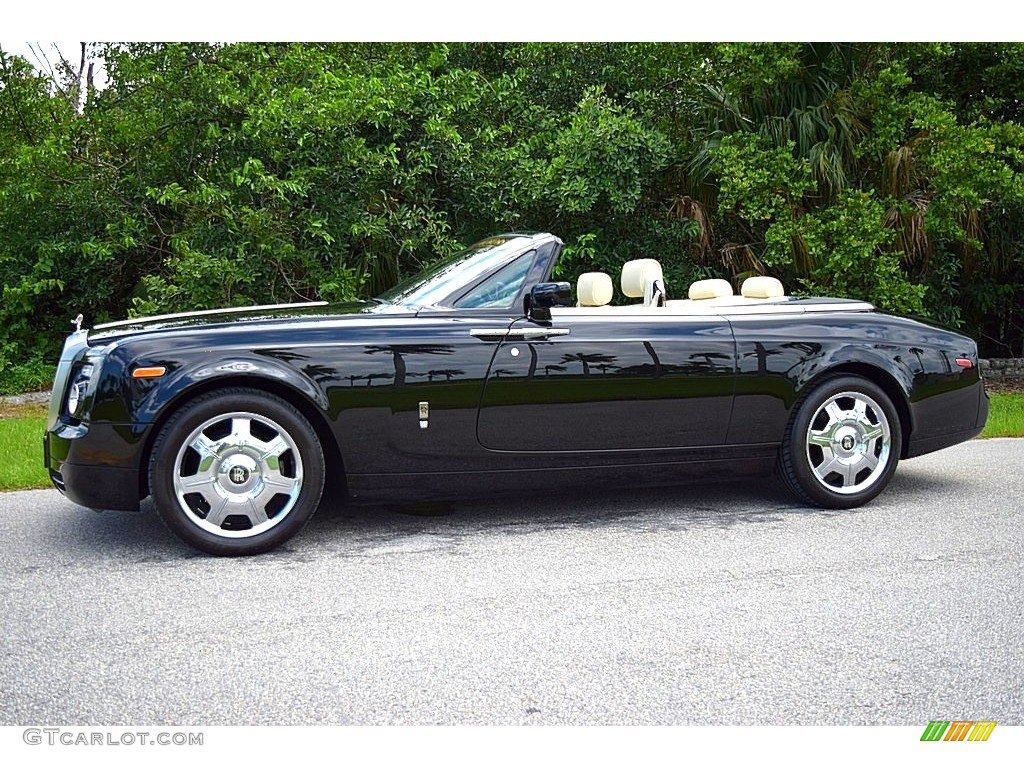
30	376
21	453
1005	415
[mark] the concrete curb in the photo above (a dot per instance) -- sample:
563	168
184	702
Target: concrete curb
25	399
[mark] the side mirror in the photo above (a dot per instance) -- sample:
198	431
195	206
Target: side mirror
544	296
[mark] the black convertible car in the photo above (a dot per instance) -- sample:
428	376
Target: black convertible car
478	376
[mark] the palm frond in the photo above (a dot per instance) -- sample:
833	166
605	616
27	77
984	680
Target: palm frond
686	207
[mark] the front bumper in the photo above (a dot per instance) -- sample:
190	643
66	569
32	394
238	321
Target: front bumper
97	465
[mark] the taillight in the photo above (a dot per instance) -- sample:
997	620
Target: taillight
965	362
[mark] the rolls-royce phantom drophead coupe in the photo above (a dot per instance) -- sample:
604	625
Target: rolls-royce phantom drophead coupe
481	375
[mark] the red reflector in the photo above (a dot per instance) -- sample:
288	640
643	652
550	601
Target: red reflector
964	362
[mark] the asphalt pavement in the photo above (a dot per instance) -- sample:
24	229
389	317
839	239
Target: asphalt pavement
718	604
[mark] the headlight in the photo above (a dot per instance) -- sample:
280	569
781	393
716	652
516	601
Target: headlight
78	388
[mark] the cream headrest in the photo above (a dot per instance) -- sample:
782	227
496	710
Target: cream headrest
762	288
594	289
716	288
638	274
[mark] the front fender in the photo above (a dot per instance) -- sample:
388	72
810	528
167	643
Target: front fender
147	399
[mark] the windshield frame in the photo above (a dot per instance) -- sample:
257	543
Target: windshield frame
443	283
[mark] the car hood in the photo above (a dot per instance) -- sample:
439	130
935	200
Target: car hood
235	317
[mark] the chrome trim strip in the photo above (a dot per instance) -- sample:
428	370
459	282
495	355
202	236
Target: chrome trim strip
204	312
782	309
536	333
705	311
518	333
74	349
659	315
852	306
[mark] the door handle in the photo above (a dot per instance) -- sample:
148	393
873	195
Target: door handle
518	333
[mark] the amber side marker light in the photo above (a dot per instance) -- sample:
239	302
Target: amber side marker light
154	372
964	362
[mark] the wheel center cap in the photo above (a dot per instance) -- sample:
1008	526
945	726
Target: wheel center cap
239	474
844	441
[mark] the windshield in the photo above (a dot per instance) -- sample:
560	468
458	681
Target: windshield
461	271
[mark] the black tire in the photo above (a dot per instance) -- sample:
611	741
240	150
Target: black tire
842	444
236	472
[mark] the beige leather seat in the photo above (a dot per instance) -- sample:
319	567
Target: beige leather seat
762	287
715	288
594	289
644	278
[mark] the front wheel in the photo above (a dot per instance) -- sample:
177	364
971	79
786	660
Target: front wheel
842	444
236	472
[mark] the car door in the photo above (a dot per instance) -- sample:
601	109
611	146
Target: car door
429	374
610	379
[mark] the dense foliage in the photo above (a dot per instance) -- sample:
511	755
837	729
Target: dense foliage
205	175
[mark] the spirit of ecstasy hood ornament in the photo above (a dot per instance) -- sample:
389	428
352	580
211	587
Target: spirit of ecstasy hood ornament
77	322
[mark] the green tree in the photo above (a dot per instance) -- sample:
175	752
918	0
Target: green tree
207	175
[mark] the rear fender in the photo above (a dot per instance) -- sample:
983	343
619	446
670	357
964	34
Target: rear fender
841	360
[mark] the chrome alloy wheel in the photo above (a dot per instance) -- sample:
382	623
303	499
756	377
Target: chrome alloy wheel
849	441
238	475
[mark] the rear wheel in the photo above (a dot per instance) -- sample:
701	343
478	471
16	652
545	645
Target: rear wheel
236	472
842	444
